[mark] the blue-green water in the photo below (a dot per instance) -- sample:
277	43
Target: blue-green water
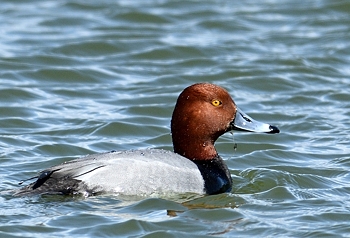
82	77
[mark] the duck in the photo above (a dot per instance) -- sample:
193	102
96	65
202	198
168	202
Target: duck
202	113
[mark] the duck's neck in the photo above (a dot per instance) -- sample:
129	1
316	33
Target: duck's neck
194	150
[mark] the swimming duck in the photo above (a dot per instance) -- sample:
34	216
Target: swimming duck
203	112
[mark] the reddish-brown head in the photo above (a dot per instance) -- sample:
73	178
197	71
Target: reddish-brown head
202	113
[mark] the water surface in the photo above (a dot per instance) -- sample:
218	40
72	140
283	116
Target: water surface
82	77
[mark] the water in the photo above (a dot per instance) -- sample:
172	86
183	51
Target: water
81	77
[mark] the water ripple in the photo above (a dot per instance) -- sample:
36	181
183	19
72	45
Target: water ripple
85	77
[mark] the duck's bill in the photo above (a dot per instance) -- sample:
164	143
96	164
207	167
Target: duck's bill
243	122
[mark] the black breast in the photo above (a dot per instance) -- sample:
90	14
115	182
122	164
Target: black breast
217	177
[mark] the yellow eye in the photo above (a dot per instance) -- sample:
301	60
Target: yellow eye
216	102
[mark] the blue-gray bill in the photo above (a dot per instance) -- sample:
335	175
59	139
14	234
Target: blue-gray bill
243	122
